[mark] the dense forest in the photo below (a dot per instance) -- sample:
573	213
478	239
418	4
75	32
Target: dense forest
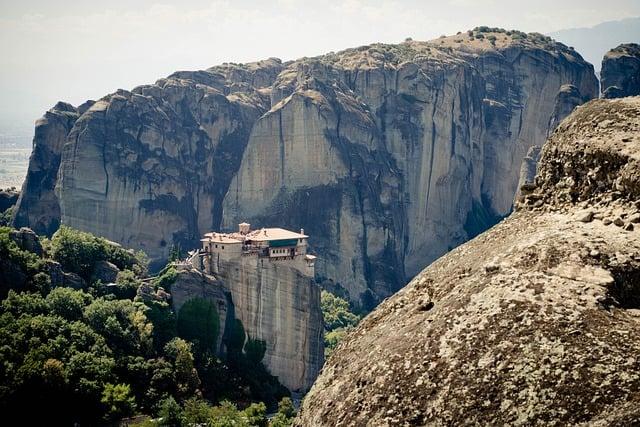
90	337
87	350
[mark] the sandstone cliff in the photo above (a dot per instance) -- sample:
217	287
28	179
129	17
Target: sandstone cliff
620	75
391	155
275	303
38	206
388	155
535	322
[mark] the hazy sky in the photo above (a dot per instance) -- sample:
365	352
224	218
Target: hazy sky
77	50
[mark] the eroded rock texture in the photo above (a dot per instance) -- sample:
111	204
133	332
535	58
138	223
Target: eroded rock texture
275	303
391	155
387	155
620	75
535	322
38	206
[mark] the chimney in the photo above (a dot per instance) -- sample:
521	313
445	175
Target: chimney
302	231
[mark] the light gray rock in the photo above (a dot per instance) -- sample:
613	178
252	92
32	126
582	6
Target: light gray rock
620	75
388	155
548	338
275	303
27	240
389	165
105	272
37	206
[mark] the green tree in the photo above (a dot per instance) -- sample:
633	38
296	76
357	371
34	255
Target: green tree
256	414
161	315
226	414
118	401
198	322
196	412
76	251
336	312
286	408
186	375
254	350
170	413
286	414
68	303
127	284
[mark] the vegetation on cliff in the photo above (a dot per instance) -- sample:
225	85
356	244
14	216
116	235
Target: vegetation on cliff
88	337
338	320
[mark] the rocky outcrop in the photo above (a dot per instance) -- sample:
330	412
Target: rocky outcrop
275	303
280	305
620	75
536	321
190	284
38	206
105	272
149	168
8	198
391	155
26	240
388	155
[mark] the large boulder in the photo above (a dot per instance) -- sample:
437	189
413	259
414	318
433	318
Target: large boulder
620	75
8	198
105	272
535	322
27	240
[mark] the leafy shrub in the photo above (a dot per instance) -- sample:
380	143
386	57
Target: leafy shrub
166	277
118	401
78	251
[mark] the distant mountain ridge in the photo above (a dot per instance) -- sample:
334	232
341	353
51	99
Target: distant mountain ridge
594	42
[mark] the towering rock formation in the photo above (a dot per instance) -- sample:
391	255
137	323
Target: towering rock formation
534	322
149	168
620	75
38	206
389	154
275	303
393	155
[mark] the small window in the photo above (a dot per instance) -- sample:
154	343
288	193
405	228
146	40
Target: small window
222	247
216	246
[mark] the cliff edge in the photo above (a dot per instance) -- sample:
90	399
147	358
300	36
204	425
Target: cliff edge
536	321
620	74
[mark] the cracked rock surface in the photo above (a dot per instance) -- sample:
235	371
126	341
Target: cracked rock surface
387	155
534	322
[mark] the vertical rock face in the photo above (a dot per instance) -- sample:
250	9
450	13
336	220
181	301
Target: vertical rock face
190	284
620	74
278	304
534	322
393	155
275	302
38	206
389	155
149	168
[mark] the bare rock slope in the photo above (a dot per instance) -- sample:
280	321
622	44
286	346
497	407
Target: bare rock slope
535	322
388	155
621	71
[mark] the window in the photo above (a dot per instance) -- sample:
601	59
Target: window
216	246
223	247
